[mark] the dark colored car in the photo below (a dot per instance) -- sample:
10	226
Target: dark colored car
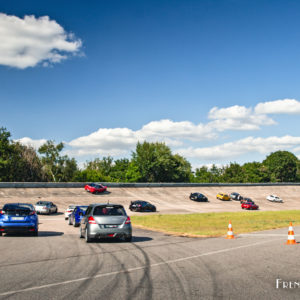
198	197
95	188
245	200
249	205
18	218
236	196
141	206
105	221
77	214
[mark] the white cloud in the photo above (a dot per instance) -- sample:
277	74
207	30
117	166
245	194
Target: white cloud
29	41
32	143
237	118
178	130
285	106
247	145
119	140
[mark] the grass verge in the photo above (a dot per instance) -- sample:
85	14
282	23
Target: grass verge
215	224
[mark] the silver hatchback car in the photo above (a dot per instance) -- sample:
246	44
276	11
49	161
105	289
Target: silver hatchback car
105	221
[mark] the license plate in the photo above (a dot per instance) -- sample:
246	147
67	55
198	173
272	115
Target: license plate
111	226
17	218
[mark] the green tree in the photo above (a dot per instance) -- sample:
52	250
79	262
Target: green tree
255	172
233	173
156	163
281	166
119	170
6	154
58	168
25	165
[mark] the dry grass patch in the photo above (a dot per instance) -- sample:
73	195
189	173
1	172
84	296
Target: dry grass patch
215	224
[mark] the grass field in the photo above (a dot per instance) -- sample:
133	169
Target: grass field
215	224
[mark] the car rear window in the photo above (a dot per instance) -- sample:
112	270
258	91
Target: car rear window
83	208
13	209
109	211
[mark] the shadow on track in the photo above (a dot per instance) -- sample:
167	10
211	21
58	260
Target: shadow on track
41	234
135	239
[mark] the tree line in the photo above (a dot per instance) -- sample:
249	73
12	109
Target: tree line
150	162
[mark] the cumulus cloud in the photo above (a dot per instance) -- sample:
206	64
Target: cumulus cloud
177	130
237	118
285	106
232	150
29	41
120	140
32	143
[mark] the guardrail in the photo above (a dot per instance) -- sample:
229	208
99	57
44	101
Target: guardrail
133	185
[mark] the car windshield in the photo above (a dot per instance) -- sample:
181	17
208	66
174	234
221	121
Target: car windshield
109	211
98	186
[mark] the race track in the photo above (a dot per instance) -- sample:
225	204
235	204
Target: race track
168	200
60	265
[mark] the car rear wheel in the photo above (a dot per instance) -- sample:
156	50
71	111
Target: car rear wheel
87	237
70	222
128	238
75	224
35	233
80	233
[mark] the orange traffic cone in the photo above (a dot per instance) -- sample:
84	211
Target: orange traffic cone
230	232
291	237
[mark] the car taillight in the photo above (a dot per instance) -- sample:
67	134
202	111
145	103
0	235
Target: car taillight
32	213
128	221
91	220
45	207
2	212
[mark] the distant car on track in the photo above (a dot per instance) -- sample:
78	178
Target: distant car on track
245	200
105	221
69	210
142	206
235	196
77	214
249	205
198	197
223	197
95	188
17	218
45	207
274	198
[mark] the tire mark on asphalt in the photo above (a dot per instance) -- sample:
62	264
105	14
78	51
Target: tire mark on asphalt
178	260
146	277
95	267
104	252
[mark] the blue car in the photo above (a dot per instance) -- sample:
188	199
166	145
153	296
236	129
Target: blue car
19	218
77	214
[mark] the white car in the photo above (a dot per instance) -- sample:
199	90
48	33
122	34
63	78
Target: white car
69	210
45	207
274	198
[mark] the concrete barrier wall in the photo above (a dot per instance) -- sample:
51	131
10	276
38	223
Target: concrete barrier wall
134	185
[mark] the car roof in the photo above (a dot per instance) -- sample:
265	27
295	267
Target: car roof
109	204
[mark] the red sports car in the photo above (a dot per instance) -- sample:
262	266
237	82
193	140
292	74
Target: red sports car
95	188
249	205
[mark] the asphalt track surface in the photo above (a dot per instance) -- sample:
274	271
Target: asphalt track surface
59	265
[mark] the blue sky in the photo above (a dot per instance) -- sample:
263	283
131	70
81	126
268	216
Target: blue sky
218	81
